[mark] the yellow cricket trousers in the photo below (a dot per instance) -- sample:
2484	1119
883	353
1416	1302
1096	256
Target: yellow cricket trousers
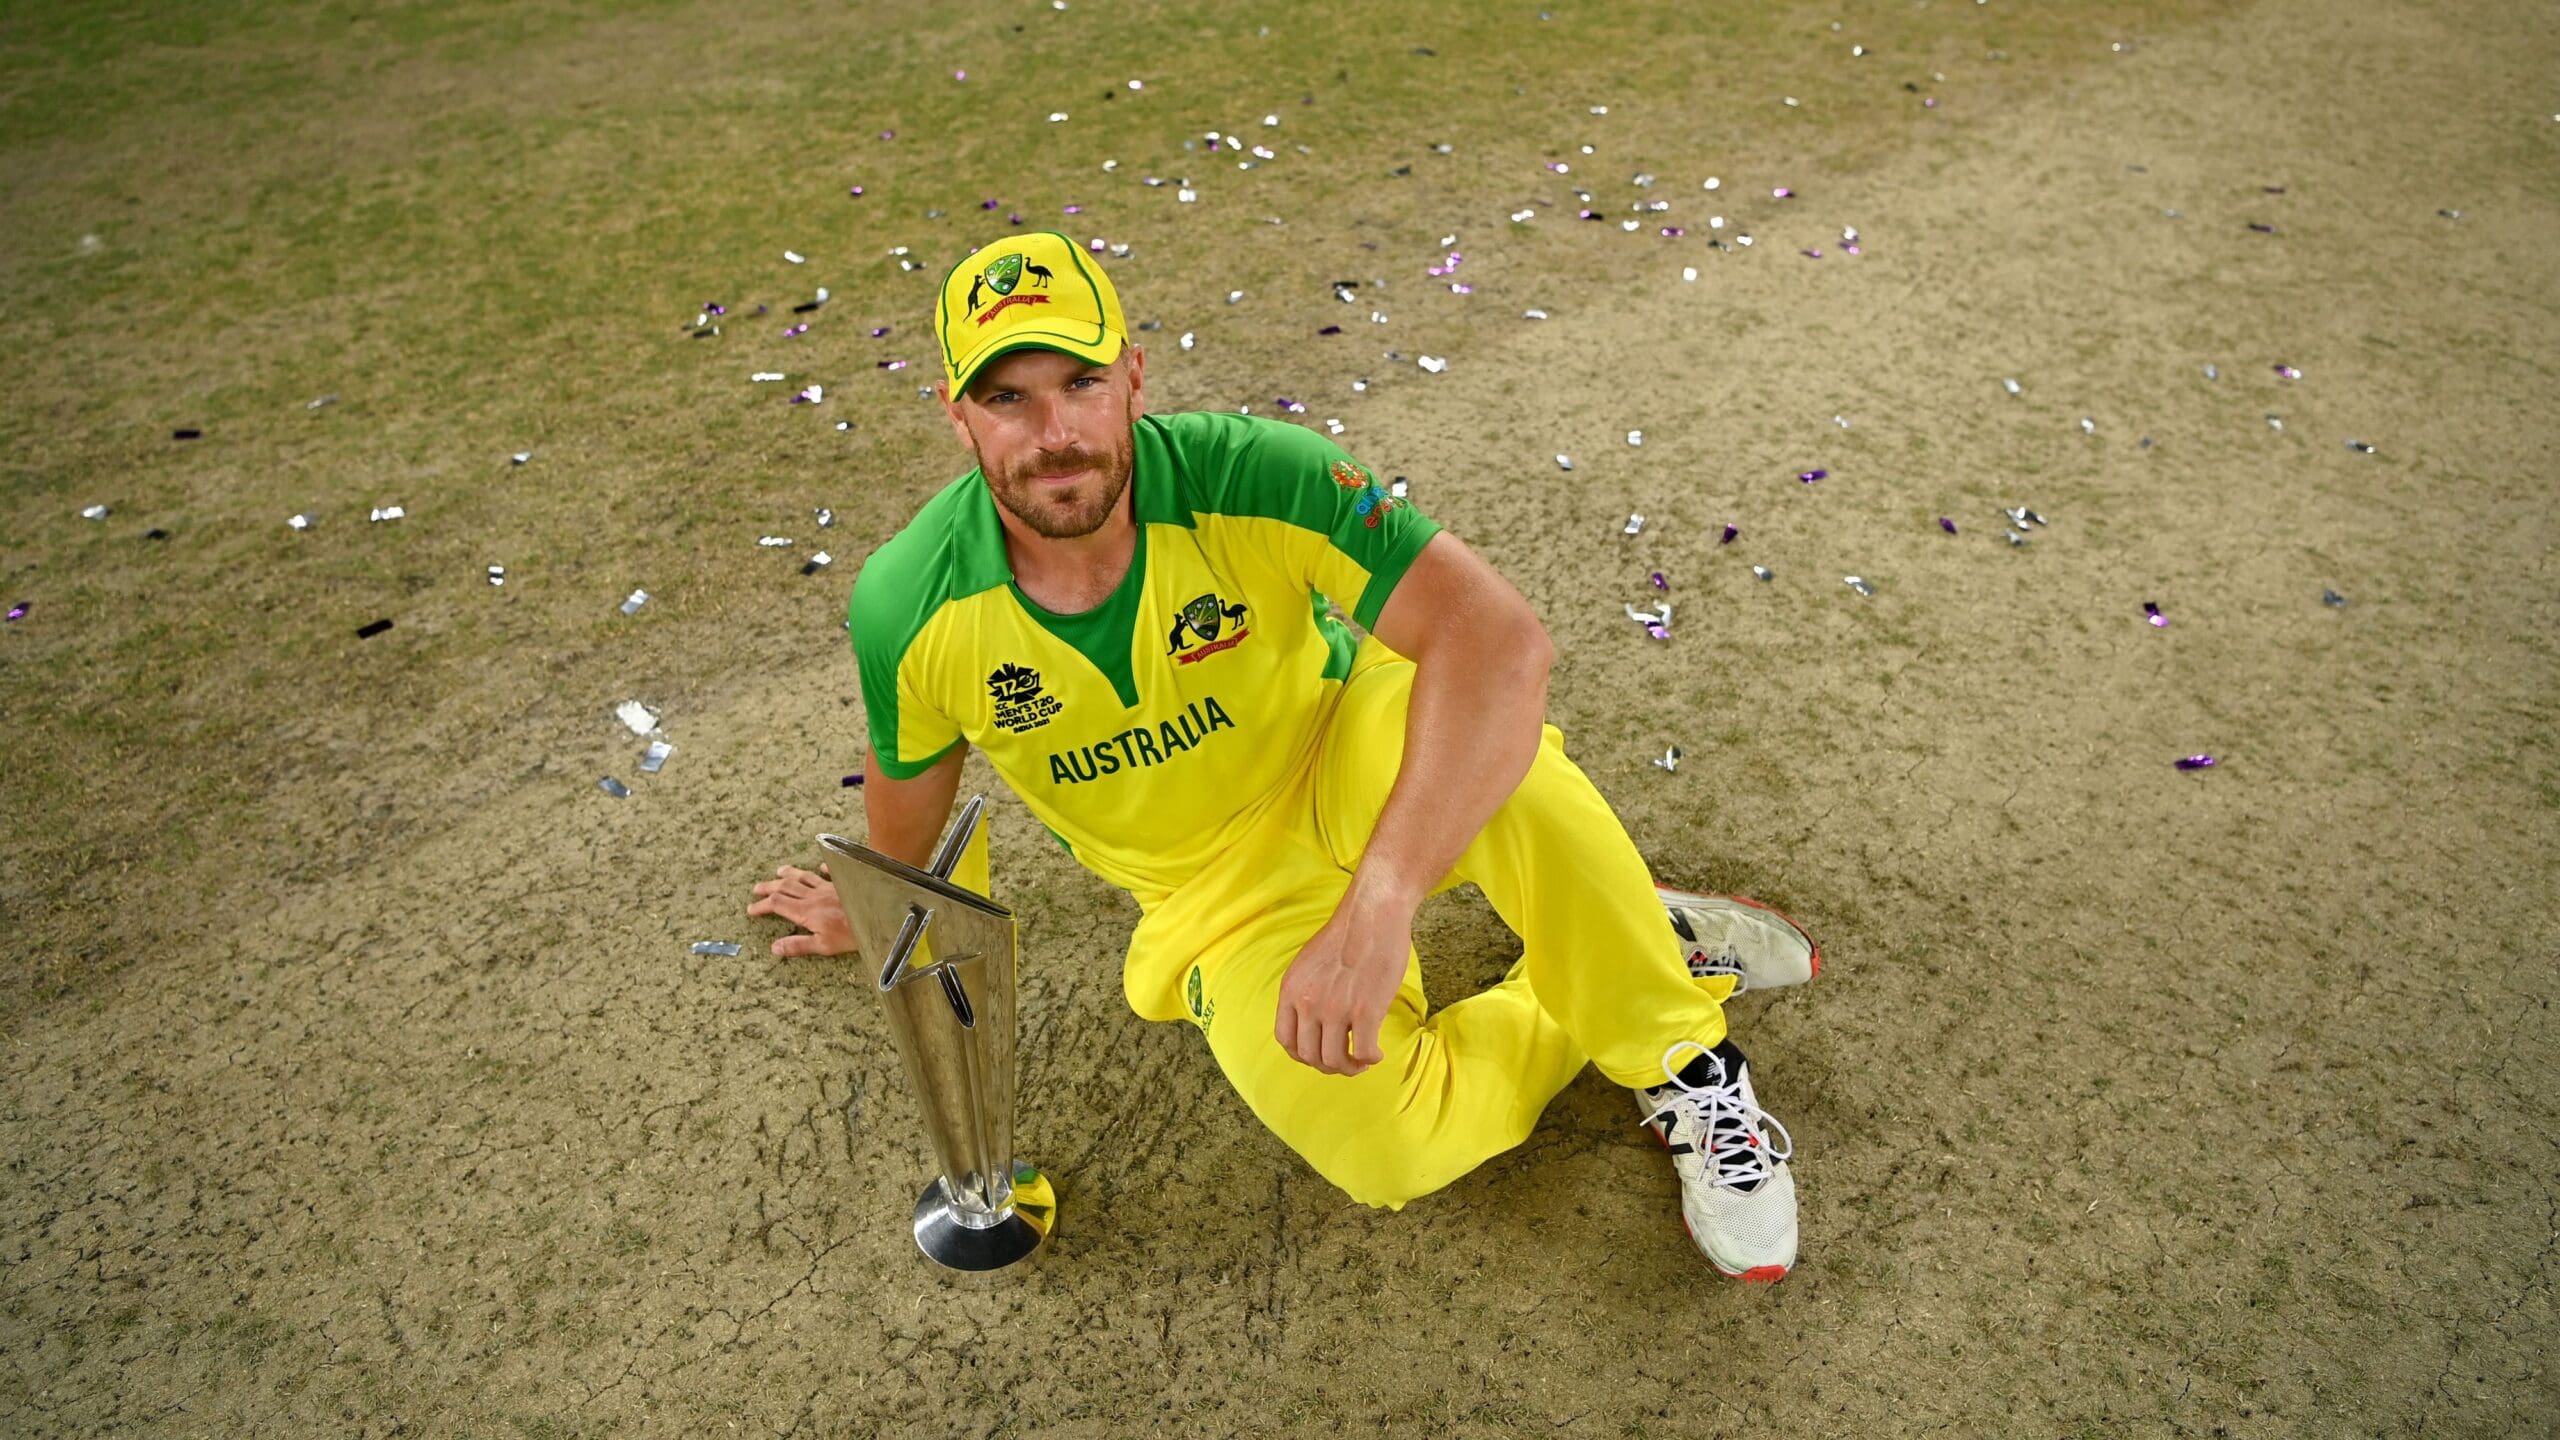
1601	977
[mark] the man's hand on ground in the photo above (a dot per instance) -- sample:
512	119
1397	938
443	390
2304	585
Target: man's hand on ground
808	901
1337	991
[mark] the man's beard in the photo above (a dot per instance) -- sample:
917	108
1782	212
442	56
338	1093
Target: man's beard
1072	513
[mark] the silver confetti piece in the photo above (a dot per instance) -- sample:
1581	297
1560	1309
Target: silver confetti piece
1635	437
773	542
1436	365
1397	489
1187	341
2014	537
826	518
2088	426
2009	385
1762	572
638	599
614	788
2213	372
656	757
1861	586
521	457
2359	447
2276	423
388	512
639	719
715	947
1564	462
1635	525
2332	599
299	522
1533	314
1668	759
497	574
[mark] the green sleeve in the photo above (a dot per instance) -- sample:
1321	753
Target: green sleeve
1245	465
890	607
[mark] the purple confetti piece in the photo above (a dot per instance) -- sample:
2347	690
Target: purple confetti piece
800	329
186	434
714	307
879	330
889	365
1456	288
852	780
1810	254
1809	476
2288	372
1660	582
1330	330
1852	249
2152	611
1014	219
2195	762
1558	166
2262	229
367	632
855	192
1657	630
1075	210
1730	531
989	203
18	611
1946	524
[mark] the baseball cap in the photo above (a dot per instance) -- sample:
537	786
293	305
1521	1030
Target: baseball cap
1039	290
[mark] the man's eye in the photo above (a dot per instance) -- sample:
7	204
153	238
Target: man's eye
1082	381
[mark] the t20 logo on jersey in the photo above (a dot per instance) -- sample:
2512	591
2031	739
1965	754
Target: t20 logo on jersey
1019	704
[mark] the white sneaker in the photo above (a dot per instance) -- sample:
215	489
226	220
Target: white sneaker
1732	935
1737	1197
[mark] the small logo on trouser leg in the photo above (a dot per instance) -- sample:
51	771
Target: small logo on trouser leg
1202	1010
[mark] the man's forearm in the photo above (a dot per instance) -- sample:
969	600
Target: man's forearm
1471	730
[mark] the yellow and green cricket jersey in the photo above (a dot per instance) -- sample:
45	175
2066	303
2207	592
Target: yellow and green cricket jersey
1149	731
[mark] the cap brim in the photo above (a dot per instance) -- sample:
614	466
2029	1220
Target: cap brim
1102	354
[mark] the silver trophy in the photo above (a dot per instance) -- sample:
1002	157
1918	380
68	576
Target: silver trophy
946	954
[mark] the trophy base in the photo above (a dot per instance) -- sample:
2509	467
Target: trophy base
1017	1234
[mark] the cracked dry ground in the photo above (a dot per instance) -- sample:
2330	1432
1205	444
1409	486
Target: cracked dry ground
2129	1103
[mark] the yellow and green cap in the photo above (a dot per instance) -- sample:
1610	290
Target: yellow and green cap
1036	291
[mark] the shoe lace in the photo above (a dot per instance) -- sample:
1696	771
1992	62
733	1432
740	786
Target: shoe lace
1737	1152
1702	965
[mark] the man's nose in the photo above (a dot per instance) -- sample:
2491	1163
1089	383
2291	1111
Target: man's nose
1055	433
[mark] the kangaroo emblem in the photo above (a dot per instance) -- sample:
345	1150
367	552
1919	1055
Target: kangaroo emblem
1039	274
976	287
1203	618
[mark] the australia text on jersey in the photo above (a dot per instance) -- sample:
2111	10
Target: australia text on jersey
1141	745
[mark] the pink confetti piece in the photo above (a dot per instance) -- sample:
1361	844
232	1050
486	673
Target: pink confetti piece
1782	193
1075	210
2151	612
891	365
855	192
18	611
800	329
1809	476
2288	372
1810	254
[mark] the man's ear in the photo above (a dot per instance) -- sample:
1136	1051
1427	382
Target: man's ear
951	412
1136	359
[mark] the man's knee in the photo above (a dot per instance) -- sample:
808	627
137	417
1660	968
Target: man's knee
1386	1161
